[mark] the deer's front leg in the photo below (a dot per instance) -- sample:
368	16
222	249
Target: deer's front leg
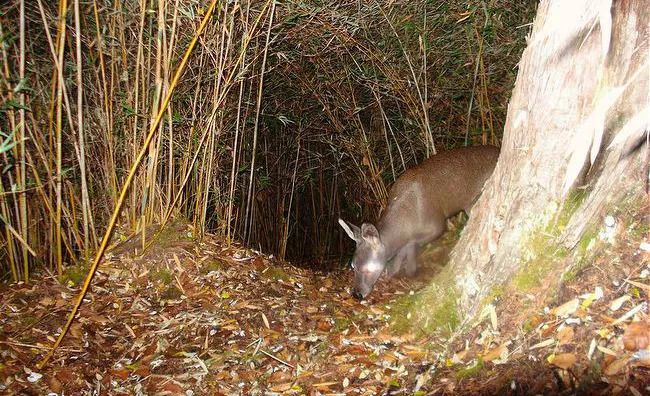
395	266
410	256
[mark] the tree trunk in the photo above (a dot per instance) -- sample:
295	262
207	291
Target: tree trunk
579	107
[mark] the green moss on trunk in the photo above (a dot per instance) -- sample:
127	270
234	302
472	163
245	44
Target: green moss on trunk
431	309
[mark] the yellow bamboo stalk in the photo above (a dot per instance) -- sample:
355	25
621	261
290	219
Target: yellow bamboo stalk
111	176
170	166
149	198
139	60
59	143
20	239
85	201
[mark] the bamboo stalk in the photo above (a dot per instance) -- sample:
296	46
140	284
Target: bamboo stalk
430	146
285	233
149	198
104	93
59	141
9	237
85	202
21	139
170	141
4	205
136	101
231	193
18	237
249	202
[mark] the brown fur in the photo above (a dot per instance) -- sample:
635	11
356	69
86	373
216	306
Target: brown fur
419	203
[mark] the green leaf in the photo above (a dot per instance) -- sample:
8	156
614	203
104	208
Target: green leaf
12	104
22	86
128	110
6	147
8	143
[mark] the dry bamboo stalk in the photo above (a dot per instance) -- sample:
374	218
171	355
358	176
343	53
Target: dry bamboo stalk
285	233
136	102
4	205
231	194
430	146
85	201
249	202
9	237
104	93
59	141
170	141
22	141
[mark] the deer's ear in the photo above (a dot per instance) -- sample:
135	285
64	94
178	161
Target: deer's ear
370	234
353	231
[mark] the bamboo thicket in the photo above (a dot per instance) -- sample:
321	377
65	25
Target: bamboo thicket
288	114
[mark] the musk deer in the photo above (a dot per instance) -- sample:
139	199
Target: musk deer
419	203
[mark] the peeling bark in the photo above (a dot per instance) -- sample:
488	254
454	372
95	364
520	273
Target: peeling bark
582	80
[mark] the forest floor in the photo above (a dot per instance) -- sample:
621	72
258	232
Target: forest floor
190	318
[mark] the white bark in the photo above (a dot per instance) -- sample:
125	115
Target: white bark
582	80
